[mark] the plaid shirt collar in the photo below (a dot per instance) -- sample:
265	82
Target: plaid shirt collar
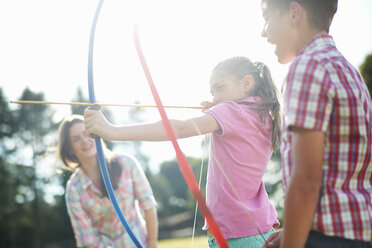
85	181
319	40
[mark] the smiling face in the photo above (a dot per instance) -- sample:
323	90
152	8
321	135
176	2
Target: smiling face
230	89
279	31
82	146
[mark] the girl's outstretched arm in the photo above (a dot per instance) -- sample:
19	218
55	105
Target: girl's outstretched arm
96	123
207	105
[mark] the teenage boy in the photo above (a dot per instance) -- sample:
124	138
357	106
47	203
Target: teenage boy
326	131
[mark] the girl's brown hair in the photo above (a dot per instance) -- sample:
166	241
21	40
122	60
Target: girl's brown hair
264	88
71	162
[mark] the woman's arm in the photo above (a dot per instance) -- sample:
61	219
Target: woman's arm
96	123
143	194
151	217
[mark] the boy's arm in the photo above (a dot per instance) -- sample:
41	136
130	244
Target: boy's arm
303	191
96	123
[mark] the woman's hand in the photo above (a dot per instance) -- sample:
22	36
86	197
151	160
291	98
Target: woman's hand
96	123
273	241
152	244
151	218
206	105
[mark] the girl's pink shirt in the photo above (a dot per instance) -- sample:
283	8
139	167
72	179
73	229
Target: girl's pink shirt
243	149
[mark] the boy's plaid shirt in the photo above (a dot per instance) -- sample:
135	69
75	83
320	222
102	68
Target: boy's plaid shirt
324	92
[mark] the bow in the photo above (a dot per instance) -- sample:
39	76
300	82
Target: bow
100	155
182	161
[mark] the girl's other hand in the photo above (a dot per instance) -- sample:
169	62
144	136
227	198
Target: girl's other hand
273	240
206	105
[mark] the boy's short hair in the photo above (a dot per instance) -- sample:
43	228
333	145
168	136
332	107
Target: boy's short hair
320	12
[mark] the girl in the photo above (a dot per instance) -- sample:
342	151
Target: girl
92	216
243	120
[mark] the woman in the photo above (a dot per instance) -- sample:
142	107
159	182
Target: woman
92	216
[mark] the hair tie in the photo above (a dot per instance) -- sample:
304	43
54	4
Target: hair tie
259	66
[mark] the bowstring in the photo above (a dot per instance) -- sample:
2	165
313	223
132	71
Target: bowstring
214	157
237	195
200	178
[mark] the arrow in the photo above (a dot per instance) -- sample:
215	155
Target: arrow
104	104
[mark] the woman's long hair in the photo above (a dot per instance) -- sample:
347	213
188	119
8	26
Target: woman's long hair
71	162
264	88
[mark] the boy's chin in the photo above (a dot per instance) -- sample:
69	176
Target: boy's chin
283	61
284	57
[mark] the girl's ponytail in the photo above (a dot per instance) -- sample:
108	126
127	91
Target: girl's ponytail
265	89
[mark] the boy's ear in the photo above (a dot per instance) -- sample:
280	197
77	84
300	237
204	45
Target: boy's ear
296	13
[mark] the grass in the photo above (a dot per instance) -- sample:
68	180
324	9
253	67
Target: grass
199	242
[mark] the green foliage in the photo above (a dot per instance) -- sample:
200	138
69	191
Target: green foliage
172	192
77	109
176	204
366	71
7	123
273	183
26	219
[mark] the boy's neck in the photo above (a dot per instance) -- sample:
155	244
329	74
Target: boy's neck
305	32
305	37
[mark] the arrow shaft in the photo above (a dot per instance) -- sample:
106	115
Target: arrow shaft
103	104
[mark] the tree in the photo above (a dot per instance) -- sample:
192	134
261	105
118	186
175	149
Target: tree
76	109
366	71
9	208
176	205
34	127
273	183
26	218
7	121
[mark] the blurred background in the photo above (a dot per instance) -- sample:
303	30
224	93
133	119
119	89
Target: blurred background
43	56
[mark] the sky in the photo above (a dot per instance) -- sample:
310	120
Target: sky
44	46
